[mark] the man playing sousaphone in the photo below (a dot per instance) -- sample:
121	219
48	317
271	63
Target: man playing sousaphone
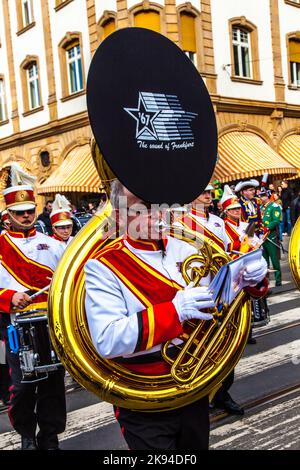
152	118
28	260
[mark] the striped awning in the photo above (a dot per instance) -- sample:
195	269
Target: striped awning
77	173
289	149
244	155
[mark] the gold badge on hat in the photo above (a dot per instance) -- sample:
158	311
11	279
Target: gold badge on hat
22	196
63	216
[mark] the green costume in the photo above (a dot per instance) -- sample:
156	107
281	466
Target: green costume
271	217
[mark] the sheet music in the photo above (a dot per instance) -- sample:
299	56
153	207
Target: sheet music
229	281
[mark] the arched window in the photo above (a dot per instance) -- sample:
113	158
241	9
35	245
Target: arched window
149	19
45	158
294	61
241	52
71	65
74	67
244	50
31	84
188	35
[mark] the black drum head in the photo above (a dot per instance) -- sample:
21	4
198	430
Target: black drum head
152	116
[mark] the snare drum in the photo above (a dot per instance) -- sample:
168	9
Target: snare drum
36	353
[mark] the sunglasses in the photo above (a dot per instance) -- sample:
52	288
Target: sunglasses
28	211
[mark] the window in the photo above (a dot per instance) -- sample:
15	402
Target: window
74	67
25	19
294	59
148	19
26	12
106	24
2	101
33	86
244	51
30	80
71	65
188	35
45	158
241	52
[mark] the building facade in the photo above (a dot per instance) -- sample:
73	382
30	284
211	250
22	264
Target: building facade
248	54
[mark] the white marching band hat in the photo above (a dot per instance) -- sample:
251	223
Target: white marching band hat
246	184
20	195
61	213
229	200
209	187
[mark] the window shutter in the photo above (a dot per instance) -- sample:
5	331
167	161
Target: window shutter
148	19
108	27
294	50
188	32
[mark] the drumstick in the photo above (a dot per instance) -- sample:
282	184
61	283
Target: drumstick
39	292
33	296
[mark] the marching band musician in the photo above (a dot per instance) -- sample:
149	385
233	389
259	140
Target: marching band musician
200	219
271	216
28	259
136	297
144	300
61	220
249	204
241	242
235	228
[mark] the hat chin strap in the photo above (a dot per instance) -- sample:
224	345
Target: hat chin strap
20	225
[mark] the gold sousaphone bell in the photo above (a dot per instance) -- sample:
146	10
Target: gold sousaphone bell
143	95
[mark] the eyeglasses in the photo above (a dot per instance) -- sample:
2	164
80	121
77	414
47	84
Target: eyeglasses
28	211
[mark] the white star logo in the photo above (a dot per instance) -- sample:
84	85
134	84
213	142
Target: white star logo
144	118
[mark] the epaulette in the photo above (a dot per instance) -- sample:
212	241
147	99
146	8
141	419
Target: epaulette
115	245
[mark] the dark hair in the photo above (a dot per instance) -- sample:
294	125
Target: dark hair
49	200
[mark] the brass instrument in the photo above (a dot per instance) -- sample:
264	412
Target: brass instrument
294	253
209	350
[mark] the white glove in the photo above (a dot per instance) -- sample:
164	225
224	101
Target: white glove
255	272
189	301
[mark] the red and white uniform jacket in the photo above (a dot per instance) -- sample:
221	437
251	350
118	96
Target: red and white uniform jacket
210	225
236	231
64	243
130	286
26	264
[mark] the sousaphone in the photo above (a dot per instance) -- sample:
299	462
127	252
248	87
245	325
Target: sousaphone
155	129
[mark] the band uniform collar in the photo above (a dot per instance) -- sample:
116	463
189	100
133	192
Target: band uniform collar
203	214
146	245
233	222
27	234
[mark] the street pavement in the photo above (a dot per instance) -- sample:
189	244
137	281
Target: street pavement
265	368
